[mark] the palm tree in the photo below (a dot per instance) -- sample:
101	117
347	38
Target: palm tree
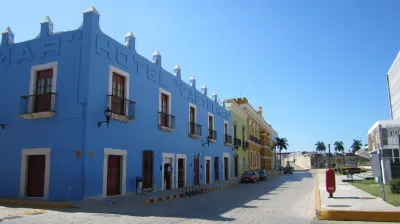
281	143
320	146
340	148
356	145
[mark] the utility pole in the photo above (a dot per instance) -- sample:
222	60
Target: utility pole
380	167
329	155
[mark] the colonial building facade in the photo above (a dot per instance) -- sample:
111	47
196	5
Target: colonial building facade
260	136
240	138
84	115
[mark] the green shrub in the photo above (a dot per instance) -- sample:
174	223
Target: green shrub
395	185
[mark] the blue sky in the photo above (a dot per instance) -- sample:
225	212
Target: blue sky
317	67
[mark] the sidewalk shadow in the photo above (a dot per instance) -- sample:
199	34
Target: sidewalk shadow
235	197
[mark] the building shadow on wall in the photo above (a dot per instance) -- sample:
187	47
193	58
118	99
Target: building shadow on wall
212	206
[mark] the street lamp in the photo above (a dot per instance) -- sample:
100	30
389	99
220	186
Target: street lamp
208	142
108	114
2	126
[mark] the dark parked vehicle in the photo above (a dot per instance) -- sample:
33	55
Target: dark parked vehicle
250	176
288	170
262	174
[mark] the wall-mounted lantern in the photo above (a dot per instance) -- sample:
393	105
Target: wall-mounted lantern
2	126
108	114
208	141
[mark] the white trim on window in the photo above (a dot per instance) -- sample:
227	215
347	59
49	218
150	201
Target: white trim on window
180	156
126	76
32	90
170	156
205	169
24	170
208	120
227	128
195	112
119	152
169	100
226	155
37	68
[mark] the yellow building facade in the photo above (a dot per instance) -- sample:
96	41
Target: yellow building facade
259	137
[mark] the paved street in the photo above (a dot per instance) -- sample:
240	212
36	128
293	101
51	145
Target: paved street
282	199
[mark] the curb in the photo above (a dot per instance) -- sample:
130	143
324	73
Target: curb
356	215
8	215
175	196
40	204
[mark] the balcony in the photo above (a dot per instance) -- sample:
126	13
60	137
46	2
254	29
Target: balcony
166	122
212	134
38	106
227	139
245	145
123	109
254	140
237	142
194	130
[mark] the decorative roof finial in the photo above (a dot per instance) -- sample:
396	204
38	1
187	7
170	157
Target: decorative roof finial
91	9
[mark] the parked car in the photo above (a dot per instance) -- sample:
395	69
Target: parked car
250	176
262	174
288	170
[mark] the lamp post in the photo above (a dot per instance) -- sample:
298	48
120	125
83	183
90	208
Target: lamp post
380	168
108	114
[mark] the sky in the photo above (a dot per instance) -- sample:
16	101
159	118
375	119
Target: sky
318	68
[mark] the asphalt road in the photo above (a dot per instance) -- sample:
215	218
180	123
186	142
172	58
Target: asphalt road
282	199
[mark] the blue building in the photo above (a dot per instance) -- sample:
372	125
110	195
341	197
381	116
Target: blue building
56	140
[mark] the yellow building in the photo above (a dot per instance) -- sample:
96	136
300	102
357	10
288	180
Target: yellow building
259	137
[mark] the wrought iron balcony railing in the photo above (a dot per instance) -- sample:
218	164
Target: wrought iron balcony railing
212	134
194	129
237	142
166	120
123	109
38	103
228	139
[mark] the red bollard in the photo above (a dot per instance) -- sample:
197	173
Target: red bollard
330	182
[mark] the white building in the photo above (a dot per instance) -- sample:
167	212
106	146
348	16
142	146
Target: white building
393	83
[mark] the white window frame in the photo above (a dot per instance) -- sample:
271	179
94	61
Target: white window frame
118	152
208	120
126	76
180	156
170	156
33	78
191	105
227	130
24	170
226	155
163	91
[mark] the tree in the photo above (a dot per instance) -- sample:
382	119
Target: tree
340	148
357	144
281	143
320	146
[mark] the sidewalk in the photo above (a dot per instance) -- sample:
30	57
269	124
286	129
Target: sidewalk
132	199
351	204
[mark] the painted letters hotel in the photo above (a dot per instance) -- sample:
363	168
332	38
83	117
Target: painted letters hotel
84	115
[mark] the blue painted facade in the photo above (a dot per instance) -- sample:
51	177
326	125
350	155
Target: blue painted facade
77	144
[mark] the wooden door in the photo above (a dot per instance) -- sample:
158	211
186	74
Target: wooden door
113	175
236	165
196	171
181	173
118	92
164	110
216	168
226	168
35	180
147	169
208	167
43	91
192	121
